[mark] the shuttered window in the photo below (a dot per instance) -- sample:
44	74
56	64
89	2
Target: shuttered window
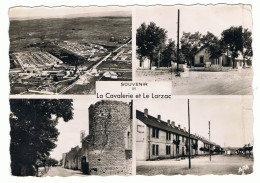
168	149
153	150
157	149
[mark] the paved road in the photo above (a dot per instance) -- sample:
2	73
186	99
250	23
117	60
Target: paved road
219	165
59	171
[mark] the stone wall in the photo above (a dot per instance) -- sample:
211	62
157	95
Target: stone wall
109	143
72	159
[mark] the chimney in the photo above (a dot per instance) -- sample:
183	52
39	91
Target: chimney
169	122
179	126
185	129
173	123
159	118
146	112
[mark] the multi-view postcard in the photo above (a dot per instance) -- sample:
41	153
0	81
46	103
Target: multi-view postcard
71	66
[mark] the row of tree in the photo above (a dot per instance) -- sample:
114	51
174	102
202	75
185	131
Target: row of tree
151	41
34	133
244	150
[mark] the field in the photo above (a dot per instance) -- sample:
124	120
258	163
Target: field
219	165
25	33
87	89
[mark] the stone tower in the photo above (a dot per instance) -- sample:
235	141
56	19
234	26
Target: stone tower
109	143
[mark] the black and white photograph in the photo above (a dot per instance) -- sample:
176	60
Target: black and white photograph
201	49
65	50
196	136
70	137
129	91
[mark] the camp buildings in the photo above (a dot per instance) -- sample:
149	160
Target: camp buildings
157	139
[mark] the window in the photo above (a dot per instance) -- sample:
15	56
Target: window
155	132
141	64
182	138
128	140
168	149
201	59
168	136
155	149
140	128
177	137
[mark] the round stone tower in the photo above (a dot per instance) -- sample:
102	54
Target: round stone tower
109	143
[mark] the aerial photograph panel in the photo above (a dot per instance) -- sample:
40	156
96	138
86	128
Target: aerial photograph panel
65	50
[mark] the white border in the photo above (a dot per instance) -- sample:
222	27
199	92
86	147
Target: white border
5	167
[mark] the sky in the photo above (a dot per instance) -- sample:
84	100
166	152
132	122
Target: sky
69	136
231	118
212	18
23	13
70	131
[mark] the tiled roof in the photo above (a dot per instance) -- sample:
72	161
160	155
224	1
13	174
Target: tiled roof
153	122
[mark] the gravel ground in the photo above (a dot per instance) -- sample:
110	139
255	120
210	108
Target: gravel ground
219	165
233	82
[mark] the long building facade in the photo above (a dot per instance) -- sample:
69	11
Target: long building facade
107	150
157	139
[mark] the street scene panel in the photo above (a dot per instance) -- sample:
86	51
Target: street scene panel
195	136
202	49
65	50
64	137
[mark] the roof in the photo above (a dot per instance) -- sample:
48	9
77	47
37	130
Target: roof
212	56
200	49
153	122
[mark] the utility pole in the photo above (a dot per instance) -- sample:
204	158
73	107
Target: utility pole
209	144
189	131
178	37
159	59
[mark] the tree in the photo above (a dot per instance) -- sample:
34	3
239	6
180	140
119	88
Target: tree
33	131
202	149
190	44
187	145
213	43
168	54
232	40
52	162
247	51
195	146
150	41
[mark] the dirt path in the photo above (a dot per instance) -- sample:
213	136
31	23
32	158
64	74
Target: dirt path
59	171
